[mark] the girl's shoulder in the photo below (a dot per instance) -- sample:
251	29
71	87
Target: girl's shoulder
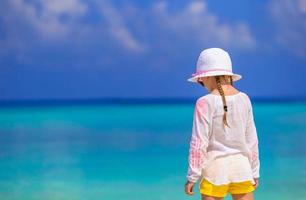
205	107
205	102
246	96
247	100
205	98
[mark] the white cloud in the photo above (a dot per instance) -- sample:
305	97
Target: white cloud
45	16
118	29
197	7
196	22
72	7
290	19
302	6
160	6
130	27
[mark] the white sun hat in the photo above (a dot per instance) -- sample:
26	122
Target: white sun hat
214	62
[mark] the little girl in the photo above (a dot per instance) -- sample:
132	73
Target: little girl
223	150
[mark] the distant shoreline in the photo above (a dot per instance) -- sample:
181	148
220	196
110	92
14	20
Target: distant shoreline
130	101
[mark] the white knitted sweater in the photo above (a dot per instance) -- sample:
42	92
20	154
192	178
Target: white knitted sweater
219	153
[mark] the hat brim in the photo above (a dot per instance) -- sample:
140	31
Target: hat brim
235	77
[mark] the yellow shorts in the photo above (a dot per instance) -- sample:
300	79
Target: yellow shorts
209	189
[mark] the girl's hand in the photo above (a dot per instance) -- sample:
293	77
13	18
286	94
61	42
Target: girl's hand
256	182
189	187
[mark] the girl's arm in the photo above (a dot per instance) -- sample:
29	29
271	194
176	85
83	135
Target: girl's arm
252	142
199	141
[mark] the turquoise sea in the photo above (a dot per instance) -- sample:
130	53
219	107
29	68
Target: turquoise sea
133	151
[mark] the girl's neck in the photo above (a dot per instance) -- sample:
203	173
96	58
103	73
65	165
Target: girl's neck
227	89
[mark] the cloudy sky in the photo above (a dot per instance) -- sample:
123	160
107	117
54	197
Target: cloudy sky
74	49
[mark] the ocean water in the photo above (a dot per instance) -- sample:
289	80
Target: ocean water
133	152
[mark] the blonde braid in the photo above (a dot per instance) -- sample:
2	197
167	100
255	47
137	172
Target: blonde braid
223	100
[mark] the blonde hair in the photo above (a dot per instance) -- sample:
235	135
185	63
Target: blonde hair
223	97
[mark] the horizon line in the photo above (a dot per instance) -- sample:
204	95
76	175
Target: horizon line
132	100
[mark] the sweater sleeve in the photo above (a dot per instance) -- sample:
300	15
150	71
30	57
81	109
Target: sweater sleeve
252	142
199	141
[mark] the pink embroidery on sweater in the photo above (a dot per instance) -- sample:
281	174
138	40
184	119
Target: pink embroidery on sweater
195	152
196	155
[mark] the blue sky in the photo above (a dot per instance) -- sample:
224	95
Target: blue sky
77	49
